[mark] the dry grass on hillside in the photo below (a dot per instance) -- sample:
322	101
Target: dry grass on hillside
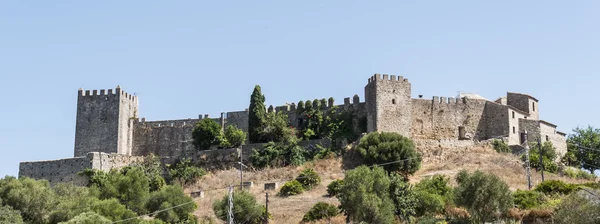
292	209
284	209
507	166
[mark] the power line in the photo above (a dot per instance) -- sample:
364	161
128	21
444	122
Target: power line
230	187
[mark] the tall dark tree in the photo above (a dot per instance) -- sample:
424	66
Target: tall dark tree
257	115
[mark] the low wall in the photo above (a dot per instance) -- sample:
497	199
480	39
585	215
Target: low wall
65	170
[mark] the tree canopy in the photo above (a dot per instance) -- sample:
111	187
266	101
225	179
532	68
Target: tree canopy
386	147
256	116
206	134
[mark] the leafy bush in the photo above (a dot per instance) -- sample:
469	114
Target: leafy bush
334	187
245	209
309	178
404	198
437	184
185	172
483	195
278	154
34	199
428	203
292	187
525	199
577	173
384	147
170	196
9	215
432	193
500	146
577	208
88	217
548	158
365	196
320	211
206	133
554	187
233	137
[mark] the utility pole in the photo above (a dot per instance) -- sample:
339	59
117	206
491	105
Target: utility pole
541	153
267	208
527	160
230	212
241	169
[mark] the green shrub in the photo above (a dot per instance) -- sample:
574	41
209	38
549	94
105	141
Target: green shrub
167	197
500	146
384	147
428	203
206	133
245	208
548	158
484	195
594	185
578	173
233	137
554	187
309	178
291	188
404	198
185	172
334	187
525	199
320	211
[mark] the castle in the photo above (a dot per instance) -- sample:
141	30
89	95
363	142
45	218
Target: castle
109	133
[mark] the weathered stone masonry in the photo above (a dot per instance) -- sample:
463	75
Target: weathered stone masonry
110	134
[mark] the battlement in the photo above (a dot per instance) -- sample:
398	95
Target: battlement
447	100
386	77
168	123
107	93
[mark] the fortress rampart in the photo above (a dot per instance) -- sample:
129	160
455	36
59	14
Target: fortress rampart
108	130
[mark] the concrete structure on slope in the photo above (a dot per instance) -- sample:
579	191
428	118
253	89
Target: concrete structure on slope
107	123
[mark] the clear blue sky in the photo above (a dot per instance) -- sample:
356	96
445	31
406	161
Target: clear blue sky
185	58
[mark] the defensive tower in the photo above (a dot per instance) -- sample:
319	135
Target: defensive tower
388	100
104	121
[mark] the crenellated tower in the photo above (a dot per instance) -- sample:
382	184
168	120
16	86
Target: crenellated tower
388	100
104	121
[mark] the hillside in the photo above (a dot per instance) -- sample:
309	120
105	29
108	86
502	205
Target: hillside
445	161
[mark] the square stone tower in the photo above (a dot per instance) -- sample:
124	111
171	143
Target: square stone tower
388	102
104	121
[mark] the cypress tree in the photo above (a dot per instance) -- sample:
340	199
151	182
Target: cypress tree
256	115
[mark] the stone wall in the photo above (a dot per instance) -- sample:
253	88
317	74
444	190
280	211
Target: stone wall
441	118
103	122
65	170
498	120
514	122
524	103
388	102
548	133
170	138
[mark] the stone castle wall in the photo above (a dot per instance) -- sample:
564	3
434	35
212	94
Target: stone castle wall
442	118
389	106
65	170
103	122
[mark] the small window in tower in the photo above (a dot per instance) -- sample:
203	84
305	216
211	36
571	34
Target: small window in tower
393	101
514	131
533	105
513	114
547	138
